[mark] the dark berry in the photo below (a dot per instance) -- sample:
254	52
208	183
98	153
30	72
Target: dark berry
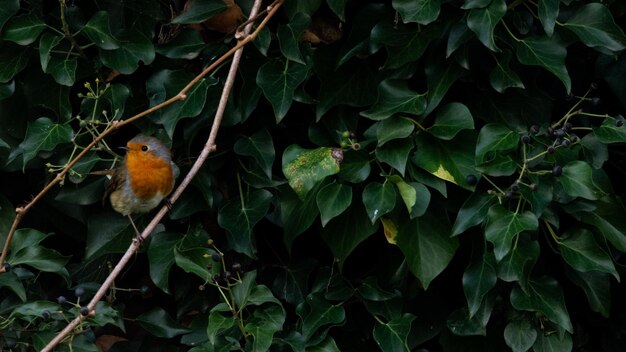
573	138
472	180
550	131
79	291
534	129
567	127
144	290
557	170
216	257
559	133
593	86
7	267
46	314
508	194
595	101
533	187
61	300
550	150
236	267
84	311
227	275
525	139
352	135
565	143
217	278
515	187
619	123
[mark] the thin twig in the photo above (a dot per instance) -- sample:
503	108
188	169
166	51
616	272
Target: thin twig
208	148
182	95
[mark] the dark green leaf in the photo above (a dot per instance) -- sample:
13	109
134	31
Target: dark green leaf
473	4
218	324
161	258
200	11
260	147
6	90
548	12
289	37
609	219
427	246
358	38
44	135
24	29
321	313
502	77
46	43
306	168
107	233
239	216
263	324
451	160
405	43
520	335
553	343
135	47
461	324
333	200
13	59
407	192
422	199
392	336
580	250
608	132
40	258
63	70
597	287
186	45
504	225
99	31
451	119
546	296
420	11
279	79
493	138
478	279
160	324
595	26
297	214
473	212
7	10
548	53
338	7
577	181
345	232
483	22
379	199
393	128
395	153
517	265
395	97
459	34
440	77
355	167
12	282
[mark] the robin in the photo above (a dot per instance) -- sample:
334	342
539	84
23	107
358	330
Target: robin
144	178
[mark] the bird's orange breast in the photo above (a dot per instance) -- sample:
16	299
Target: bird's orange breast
149	175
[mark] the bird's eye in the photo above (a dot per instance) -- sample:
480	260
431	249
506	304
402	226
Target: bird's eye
144	148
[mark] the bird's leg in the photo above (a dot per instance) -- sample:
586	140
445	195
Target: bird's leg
138	237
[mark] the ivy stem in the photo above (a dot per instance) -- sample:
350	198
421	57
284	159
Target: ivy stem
66	31
509	31
555	237
493	184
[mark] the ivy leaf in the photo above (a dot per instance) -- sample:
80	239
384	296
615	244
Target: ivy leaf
200	11
136	47
608	218
502	77
99	32
440	78
379	199
263	324
548	53
186	45
483	22
597	287
344	233
289	37
239	216
393	128
427	246
473	212
546	296
420	11
160	324
548	11
451	160
451	119
13	283
494	137
392	336
46	43
577	181
305	168
23	29
44	135
520	335
260	147
321	313
63	70
581	252
395	97
407	192
474	4
608	132
519	262
297	214
333	200
504	225
279	79
594	25
553	342
13	59
395	153
7	10
404	42
161	258
478	279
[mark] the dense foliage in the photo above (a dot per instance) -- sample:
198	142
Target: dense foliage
402	175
